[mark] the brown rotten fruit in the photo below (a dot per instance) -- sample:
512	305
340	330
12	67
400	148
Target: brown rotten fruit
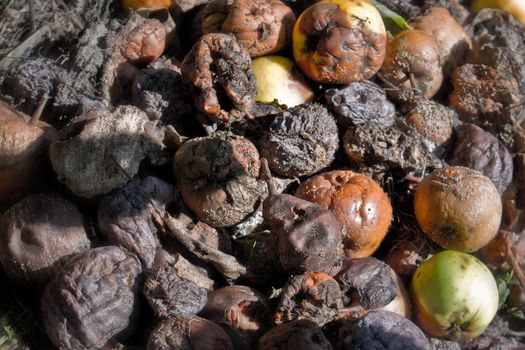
412	63
358	203
219	178
35	234
339	41
262	27
310	237
313	296
219	72
458	208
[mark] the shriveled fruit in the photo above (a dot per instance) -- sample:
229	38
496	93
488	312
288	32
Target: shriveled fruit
36	234
313	296
92	299
358	203
372	285
458	208
219	178
339	41
262	27
310	237
454	295
295	144
101	150
219	72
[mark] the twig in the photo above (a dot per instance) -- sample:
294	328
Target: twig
227	264
39	109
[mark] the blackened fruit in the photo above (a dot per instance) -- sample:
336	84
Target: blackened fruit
301	141
360	102
310	237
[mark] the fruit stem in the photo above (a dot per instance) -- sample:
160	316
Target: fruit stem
266	174
39	109
413	83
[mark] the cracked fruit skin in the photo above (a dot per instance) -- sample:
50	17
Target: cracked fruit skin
454	295
514	7
277	78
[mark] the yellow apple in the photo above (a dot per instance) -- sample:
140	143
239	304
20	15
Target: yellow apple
277	78
514	7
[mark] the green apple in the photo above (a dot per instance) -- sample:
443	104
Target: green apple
454	295
277	78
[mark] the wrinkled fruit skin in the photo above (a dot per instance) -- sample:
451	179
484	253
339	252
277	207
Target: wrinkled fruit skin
218	68
36	233
302	334
360	103
338	41
91	299
296	146
373	285
101	150
188	333
412	52
458	208
170	295
312	296
384	330
262	27
454	295
359	204
218	178
127	216
310	237
479	150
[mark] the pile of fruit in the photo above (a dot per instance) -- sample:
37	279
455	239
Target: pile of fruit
262	174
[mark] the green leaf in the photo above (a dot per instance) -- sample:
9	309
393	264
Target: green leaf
394	23
503	281
515	312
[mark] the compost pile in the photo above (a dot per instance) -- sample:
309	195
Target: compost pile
262	174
